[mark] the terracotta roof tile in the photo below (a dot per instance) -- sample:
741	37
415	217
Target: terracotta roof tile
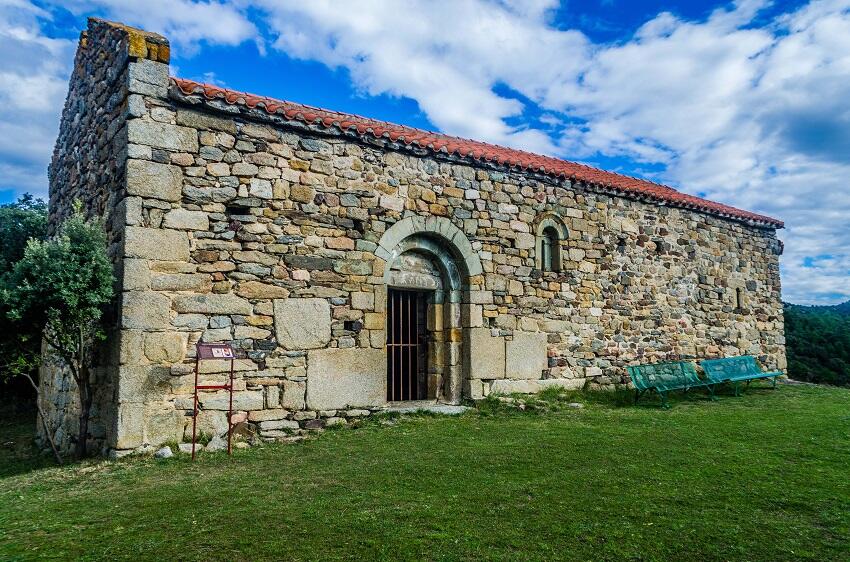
470	148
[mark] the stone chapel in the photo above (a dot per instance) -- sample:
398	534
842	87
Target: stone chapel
354	263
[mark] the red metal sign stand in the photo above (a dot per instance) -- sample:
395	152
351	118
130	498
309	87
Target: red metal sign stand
216	351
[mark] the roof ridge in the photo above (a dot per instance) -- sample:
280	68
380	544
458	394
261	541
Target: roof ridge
469	148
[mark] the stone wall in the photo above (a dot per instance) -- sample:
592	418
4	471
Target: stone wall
88	166
245	227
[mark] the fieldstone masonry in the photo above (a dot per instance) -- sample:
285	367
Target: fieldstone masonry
230	222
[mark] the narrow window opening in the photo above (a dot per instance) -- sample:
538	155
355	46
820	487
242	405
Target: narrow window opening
550	250
739	298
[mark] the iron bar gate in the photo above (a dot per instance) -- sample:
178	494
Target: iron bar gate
407	345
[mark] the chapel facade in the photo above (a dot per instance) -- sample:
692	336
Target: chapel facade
354	263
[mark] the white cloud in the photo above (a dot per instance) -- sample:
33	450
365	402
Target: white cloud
755	117
34	73
35	68
751	115
446	55
186	23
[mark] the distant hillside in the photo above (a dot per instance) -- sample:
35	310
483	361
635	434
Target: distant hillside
818	343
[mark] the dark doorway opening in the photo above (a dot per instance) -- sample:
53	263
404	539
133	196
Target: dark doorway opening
407	345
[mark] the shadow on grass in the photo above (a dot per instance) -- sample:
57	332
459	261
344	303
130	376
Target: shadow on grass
18	453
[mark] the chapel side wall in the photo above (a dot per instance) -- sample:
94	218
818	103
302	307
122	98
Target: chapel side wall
641	281
88	166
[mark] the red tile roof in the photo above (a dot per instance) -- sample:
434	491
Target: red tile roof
438	142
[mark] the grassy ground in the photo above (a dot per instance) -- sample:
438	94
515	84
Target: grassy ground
762	477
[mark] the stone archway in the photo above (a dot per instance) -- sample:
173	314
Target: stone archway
432	254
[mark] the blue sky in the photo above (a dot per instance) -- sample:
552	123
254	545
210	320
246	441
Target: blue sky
741	102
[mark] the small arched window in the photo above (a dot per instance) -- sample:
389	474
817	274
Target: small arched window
551	232
550	250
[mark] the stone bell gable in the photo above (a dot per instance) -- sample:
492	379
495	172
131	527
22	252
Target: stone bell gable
355	263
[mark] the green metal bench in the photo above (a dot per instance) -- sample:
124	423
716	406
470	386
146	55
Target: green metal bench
736	370
665	377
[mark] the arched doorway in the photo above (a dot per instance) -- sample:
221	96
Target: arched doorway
428	265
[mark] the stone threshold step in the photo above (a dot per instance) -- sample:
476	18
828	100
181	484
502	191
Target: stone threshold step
425	406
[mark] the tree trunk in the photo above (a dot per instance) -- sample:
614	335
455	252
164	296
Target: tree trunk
84	387
43	417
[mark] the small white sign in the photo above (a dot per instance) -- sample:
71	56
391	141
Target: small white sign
222	353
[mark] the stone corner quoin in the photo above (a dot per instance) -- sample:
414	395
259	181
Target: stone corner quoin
310	249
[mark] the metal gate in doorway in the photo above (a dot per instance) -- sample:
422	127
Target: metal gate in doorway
407	345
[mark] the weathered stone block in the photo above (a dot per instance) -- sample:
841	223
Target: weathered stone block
145	310
210	423
303	323
567	384
525	356
294	395
182	219
162	135
155	244
258	290
473	389
272	396
182	282
163	424
250	332
242	400
514	386
363	301
154	180
140	383
524	241
212	304
278	424
165	347
131	347
147	72
342	378
198	120
137	275
191	321
129	425
268	415
485	354
223	366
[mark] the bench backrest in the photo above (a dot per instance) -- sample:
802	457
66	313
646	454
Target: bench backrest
730	367
668	375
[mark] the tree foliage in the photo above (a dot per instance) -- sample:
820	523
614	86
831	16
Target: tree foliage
817	342
60	289
20	222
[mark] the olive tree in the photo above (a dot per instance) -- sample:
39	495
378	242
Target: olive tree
60	288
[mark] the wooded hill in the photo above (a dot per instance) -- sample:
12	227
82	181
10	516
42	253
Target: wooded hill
818	343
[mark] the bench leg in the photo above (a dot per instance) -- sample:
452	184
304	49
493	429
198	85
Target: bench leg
637	395
737	388
664	403
711	395
774	382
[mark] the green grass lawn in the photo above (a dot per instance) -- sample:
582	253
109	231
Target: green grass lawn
761	477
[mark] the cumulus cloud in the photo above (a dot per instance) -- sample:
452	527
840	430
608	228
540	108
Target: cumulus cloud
736	107
752	116
33	79
186	23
